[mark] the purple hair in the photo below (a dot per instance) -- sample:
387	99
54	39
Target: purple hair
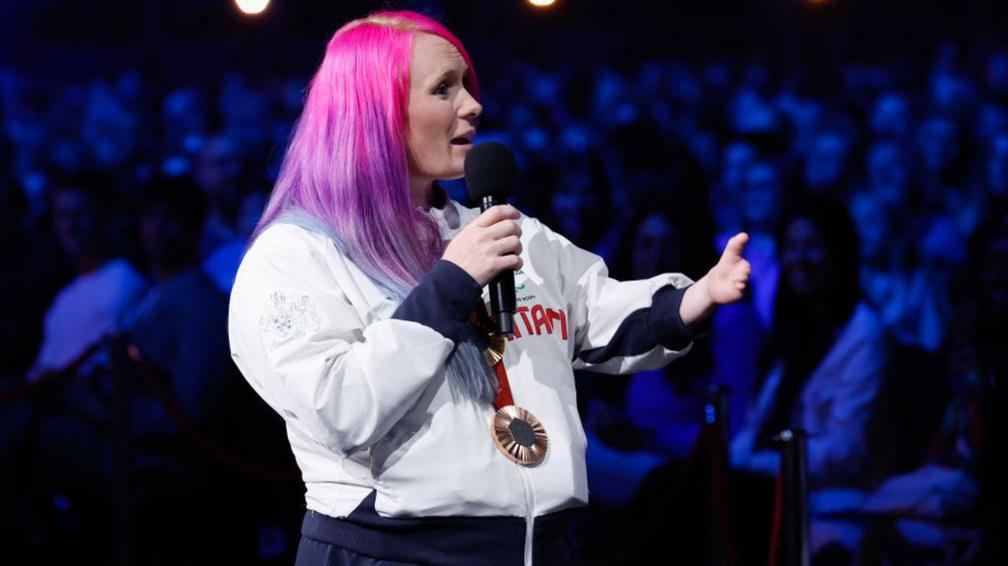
347	162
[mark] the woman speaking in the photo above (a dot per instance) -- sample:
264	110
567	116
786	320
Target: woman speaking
358	315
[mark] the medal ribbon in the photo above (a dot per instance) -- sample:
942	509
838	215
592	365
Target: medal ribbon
503	387
518	435
484	324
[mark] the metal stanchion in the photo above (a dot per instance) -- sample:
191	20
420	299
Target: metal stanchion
793	529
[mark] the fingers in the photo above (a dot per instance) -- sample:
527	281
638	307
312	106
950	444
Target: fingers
508	245
509	261
743	270
736	245
503	229
495	214
740	275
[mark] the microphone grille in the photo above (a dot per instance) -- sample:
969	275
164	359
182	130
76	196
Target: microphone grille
491	170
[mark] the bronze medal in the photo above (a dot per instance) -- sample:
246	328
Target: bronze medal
494	353
519	435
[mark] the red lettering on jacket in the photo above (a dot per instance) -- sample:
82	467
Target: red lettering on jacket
541	320
561	319
522	310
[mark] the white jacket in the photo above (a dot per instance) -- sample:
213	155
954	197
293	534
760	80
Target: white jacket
364	395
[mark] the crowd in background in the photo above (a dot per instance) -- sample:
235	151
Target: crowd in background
875	196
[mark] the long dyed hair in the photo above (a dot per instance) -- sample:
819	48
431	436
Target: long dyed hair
346	170
347	161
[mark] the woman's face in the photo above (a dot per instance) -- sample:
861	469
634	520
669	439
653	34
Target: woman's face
803	258
656	247
442	115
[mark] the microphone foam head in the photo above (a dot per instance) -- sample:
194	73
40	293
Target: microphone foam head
491	170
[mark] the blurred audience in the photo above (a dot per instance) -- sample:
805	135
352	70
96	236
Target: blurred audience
651	166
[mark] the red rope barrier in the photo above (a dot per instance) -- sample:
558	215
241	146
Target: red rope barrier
209	447
51	380
778	522
721	493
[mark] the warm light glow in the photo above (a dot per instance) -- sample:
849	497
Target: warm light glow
252	7
541	3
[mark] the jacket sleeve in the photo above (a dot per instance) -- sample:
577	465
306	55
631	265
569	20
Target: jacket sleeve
619	326
303	347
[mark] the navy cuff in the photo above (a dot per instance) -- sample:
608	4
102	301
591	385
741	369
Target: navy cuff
664	322
443	300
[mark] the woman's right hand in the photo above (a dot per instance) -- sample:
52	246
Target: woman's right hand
488	245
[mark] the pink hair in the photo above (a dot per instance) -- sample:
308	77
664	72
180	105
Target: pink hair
347	162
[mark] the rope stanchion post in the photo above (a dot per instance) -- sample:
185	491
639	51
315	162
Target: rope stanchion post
793	531
720	543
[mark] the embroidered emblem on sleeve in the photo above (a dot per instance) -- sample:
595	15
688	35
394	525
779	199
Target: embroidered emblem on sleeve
287	317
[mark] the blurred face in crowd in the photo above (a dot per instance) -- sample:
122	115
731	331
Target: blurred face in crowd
992	120
573	203
183	119
219	168
994	275
939	144
656	247
160	232
761	196
872	224
111	131
888	173
891	115
826	161
804	261
76	222
442	114
611	102
951	91
735	163
997	166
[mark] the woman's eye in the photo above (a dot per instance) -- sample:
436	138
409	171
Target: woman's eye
442	89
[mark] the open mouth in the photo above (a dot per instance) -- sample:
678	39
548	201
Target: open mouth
462	140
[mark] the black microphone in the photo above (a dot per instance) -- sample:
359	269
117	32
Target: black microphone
491	173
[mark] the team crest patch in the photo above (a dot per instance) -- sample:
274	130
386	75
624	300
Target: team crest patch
288	316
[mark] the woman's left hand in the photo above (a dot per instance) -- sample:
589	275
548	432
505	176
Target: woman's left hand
726	281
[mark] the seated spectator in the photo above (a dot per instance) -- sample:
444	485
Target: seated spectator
758	202
667	405
93	304
219	173
827	354
909	302
933	508
221	264
176	329
74	455
826	360
736	159
176	324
